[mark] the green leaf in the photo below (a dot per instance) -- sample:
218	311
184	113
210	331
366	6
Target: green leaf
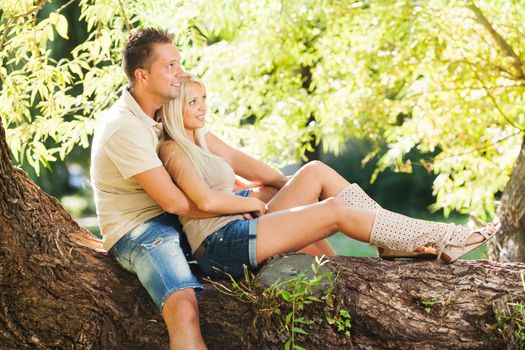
75	68
288	318
61	26
286	295
299	330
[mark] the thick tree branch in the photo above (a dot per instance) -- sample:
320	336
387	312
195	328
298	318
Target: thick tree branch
59	291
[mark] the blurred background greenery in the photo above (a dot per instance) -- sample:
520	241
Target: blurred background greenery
419	102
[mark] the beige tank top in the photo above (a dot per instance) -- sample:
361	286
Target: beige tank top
220	178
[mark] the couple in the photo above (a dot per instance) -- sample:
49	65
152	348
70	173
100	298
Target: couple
137	192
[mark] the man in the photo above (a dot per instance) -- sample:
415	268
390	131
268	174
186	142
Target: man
136	198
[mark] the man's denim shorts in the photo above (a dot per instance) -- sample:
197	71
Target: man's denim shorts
157	252
230	248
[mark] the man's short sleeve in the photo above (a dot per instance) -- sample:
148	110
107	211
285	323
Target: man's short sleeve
132	151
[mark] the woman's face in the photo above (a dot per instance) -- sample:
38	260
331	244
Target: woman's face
195	109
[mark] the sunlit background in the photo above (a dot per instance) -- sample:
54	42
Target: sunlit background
419	102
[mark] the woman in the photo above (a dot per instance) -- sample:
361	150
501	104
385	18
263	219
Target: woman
293	218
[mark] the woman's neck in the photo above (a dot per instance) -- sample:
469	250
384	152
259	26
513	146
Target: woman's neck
190	134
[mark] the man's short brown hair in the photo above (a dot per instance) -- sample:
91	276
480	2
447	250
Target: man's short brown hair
139	47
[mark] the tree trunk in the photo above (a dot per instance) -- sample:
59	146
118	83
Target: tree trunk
58	290
510	244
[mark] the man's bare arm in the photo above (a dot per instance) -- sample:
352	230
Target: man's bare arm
168	196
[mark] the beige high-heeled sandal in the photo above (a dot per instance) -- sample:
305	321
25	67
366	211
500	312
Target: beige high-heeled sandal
453	245
403	233
355	197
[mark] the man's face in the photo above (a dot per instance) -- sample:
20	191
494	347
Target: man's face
165	71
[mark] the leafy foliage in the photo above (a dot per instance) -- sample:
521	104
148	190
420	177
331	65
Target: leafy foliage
444	78
428	76
427	305
49	104
343	322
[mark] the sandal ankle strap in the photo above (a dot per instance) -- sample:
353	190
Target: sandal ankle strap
445	239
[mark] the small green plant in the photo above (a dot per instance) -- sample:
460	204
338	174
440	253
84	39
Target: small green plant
300	292
510	321
427	305
285	302
510	324
341	321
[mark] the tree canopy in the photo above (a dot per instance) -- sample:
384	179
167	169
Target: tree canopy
443	78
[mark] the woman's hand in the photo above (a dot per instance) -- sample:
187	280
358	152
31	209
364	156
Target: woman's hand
259	208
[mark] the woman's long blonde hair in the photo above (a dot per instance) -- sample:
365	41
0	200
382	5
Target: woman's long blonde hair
173	114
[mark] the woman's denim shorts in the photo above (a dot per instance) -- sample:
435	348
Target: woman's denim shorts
157	252
230	248
227	250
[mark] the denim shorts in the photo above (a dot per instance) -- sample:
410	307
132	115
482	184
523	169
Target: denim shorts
157	252
227	250
243	193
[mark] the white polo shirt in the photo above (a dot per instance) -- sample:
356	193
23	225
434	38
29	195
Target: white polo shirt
125	144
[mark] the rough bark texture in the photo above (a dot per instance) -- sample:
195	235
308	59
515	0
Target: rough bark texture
510	244
386	300
57	291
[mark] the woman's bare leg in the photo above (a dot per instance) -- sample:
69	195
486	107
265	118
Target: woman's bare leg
264	193
312	182
319	248
293	229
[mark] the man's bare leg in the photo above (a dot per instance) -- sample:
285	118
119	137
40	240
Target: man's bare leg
181	315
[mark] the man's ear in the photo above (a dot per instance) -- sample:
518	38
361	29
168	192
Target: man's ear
140	75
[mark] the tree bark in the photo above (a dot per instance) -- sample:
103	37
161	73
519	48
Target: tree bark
387	302
510	244
58	290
